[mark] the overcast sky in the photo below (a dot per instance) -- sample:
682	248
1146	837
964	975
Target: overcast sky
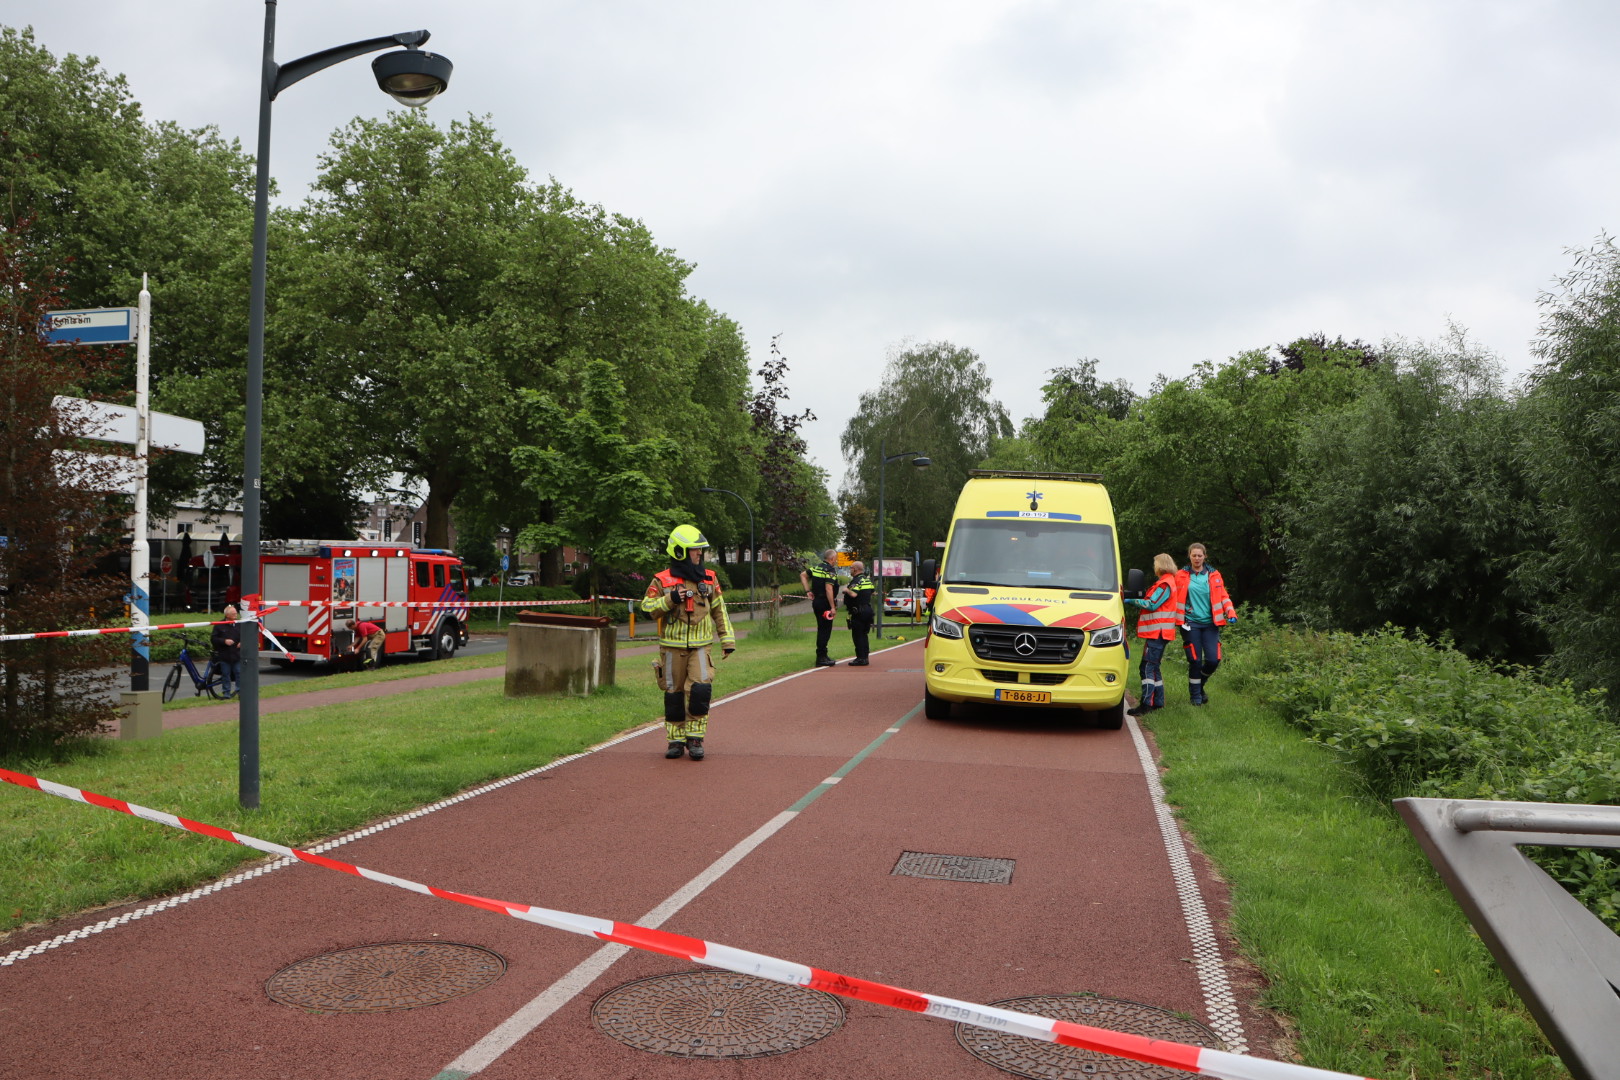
1150	183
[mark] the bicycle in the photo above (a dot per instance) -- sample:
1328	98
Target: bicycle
205	683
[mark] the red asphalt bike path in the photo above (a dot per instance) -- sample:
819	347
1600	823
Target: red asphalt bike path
1091	907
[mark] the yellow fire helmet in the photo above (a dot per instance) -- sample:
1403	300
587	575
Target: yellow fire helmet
683	540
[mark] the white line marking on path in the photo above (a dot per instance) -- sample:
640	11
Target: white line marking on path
1219	1001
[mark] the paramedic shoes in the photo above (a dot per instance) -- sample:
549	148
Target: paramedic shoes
693	747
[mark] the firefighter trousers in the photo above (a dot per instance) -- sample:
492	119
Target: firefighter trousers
687	679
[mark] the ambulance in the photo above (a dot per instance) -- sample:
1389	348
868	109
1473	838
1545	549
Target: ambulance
358	579
1029	609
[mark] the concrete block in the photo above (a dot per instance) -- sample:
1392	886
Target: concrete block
559	660
143	714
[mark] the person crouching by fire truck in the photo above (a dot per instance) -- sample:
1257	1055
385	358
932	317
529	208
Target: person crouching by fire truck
368	642
691	610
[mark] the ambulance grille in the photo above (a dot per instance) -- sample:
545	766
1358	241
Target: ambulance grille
1026	644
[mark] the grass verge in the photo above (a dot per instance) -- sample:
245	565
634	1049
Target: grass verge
1362	944
325	771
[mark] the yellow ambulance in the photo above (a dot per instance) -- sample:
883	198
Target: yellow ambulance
1030	606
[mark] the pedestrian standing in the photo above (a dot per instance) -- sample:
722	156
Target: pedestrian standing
690	608
1206	608
1161	614
227	659
858	605
819	582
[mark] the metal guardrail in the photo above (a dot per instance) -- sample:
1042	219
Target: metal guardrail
1563	961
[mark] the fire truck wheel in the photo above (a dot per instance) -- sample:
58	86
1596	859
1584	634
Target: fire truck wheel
444	645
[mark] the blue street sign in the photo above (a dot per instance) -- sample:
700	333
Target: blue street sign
506	560
93	326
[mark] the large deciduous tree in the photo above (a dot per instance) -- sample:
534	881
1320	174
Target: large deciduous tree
1412	506
1574	459
56	521
937	399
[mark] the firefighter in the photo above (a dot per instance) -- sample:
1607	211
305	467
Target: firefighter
691	610
1161	614
858	603
819	582
1206	608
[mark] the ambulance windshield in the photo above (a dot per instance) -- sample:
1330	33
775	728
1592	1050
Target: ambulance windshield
1032	553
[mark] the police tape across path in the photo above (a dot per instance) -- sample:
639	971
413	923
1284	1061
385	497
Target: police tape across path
1193	1059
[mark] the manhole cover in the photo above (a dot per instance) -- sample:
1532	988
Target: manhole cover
1023	1056
716	1014
381	978
954	867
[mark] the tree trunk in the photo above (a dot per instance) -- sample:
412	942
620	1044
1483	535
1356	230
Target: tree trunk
442	491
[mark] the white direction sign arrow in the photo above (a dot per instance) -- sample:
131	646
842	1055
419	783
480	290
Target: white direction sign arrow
116	423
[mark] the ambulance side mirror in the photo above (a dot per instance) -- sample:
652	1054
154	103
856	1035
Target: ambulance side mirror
1135	584
930	574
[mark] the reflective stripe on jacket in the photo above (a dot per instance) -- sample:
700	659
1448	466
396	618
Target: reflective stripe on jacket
680	628
1221	610
1166	613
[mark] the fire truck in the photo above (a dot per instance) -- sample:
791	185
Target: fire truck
363	581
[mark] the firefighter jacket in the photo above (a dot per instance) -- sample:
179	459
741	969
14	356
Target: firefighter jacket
1221	610
1163	610
690	623
858	595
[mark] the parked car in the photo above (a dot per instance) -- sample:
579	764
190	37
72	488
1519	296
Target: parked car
901	602
515	580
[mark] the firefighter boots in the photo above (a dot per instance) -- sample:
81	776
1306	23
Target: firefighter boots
676	749
694	747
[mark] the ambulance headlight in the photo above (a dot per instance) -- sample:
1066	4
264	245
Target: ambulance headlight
1111	635
945	628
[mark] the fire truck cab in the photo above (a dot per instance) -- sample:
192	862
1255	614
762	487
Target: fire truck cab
359	579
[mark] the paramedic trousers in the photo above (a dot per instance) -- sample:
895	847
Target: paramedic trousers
1152	676
687	679
1203	645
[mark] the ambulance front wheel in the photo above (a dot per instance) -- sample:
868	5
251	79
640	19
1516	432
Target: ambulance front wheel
935	708
445	642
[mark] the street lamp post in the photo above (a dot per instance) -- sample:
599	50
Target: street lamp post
411	77
751	554
919	461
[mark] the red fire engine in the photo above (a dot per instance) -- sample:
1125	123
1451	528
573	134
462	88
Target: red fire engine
361	580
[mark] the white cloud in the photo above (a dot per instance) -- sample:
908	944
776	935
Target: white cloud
1151	184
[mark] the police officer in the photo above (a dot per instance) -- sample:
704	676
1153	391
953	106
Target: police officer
858	603
819	582
691	609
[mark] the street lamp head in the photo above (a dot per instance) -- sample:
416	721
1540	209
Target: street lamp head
921	462
412	77
708	491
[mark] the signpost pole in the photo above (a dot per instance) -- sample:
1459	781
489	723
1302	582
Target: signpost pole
140	608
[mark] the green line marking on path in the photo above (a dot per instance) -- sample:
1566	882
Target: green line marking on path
822	788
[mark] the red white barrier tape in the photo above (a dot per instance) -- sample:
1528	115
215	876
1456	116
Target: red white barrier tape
443	605
1193	1059
120	630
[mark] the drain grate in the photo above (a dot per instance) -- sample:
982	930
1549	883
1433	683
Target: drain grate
954	868
382	978
1040	1060
716	1014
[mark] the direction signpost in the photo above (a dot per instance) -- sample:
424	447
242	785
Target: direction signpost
119	423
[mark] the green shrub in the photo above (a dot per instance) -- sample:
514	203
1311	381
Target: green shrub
1417	718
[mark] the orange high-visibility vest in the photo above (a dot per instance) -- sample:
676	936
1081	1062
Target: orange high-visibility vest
1161	622
1221	610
